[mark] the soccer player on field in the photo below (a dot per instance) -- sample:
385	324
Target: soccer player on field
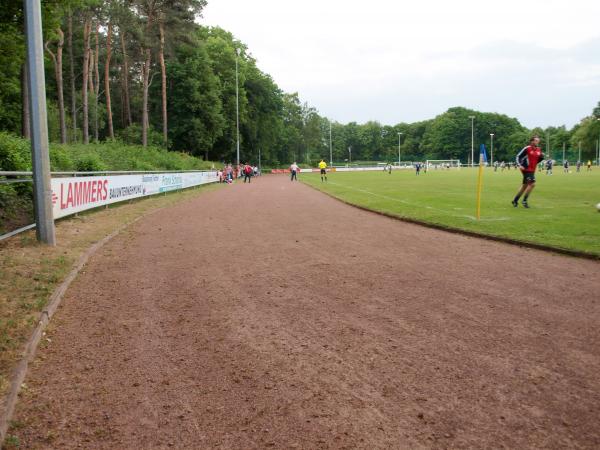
527	160
323	167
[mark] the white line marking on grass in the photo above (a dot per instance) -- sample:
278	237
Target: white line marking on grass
394	199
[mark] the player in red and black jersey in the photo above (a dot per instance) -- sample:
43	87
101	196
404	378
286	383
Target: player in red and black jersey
527	160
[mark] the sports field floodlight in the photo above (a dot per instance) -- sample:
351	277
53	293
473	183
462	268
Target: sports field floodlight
330	146
237	105
399	148
598	151
39	124
350	155
492	149
472	139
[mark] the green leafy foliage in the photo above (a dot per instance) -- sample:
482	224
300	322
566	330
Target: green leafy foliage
201	103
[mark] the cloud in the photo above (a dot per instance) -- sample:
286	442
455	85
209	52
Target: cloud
538	60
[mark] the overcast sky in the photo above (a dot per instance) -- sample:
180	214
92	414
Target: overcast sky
398	61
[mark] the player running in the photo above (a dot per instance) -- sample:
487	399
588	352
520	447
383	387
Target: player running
323	167
527	160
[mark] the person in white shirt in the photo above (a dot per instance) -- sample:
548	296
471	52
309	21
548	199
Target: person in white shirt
294	169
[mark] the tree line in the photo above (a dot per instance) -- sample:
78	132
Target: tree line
145	72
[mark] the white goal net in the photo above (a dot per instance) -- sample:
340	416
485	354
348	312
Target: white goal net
443	163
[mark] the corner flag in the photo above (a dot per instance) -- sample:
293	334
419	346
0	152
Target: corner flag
482	155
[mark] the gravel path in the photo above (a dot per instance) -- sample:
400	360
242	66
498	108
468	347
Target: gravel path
270	315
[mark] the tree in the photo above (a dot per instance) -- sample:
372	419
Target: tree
147	10
87	31
196	109
111	132
58	71
72	73
176	16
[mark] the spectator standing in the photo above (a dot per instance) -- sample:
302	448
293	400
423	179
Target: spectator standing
294	170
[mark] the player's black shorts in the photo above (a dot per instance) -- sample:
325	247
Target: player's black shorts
528	177
323	171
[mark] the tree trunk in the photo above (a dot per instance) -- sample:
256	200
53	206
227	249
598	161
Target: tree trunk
91	69
146	76
60	86
109	119
84	91
72	75
125	82
163	71
25	116
146	79
57	61
97	80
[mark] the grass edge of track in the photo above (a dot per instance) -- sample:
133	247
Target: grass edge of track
457	230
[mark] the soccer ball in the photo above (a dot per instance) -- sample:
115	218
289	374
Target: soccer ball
598	207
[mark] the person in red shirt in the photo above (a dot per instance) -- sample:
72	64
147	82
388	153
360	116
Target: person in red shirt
247	172
527	160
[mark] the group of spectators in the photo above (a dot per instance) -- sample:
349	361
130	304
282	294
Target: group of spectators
229	173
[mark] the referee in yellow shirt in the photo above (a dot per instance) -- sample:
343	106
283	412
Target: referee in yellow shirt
323	167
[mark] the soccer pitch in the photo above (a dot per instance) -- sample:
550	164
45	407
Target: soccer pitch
562	210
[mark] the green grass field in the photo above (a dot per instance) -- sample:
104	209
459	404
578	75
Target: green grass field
562	213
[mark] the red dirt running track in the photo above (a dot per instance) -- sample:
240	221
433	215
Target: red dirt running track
270	315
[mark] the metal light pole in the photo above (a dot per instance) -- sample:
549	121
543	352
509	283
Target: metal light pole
330	147
598	152
237	106
564	152
39	124
259	166
399	148
349	155
579	157
472	139
492	150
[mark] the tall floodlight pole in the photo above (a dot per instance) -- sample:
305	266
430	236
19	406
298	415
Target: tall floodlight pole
237	106
579	157
349	155
330	146
399	148
492	150
39	124
564	145
598	151
472	138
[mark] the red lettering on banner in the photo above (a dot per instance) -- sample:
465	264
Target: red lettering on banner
78	194
93	190
86	191
105	189
62	205
70	195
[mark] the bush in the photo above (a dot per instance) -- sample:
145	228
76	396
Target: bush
132	135
15	153
90	163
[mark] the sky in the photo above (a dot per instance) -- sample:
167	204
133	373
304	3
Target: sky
398	61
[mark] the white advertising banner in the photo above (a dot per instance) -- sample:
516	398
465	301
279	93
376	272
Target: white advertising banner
358	169
76	194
